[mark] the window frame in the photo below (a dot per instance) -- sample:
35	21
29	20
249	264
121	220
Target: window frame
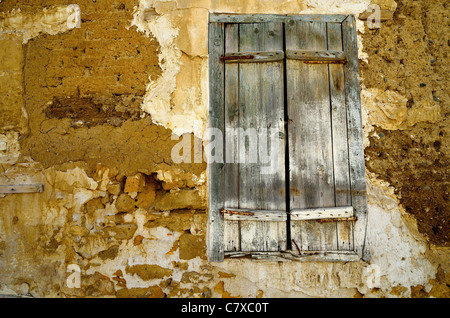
215	170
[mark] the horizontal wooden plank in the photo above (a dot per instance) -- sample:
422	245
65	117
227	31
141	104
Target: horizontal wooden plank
256	18
21	188
321	213
307	256
336	57
254	215
349	219
252	57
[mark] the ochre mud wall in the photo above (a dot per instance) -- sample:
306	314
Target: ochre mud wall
408	56
90	111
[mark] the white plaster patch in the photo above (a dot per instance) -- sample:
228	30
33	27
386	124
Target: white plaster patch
153	250
336	6
52	20
183	28
399	253
9	147
75	177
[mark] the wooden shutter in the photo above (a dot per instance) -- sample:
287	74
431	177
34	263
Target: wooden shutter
254	99
318	148
299	72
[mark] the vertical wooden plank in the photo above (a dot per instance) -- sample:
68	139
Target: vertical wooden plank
310	143
339	133
216	120
261	105
231	229
355	141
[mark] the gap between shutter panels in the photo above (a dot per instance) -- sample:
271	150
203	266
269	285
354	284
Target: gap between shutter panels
335	54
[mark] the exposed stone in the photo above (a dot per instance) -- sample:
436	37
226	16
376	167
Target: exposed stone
109	253
177	220
125	204
114	188
97	285
192	246
121	282
138	240
148	272
134	184
78	230
149	292
121	231
180	199
94	205
195	278
198	225
147	195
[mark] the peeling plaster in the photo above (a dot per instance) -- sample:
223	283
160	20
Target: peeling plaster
397	247
388	110
51	21
9	147
178	100
181	27
399	254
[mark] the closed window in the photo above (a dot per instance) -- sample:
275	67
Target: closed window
284	90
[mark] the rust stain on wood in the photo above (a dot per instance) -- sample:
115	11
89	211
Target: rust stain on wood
349	219
236	57
326	62
236	212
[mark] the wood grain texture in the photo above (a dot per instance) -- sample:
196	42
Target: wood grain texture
355	139
254	103
340	140
310	137
254	215
253	57
231	228
337	57
21	188
326	162
261	104
321	213
258	18
215	226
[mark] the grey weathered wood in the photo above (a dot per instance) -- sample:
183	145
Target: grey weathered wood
310	138
215	245
307	256
261	101
337	57
321	213
254	215
263	235
320	240
253	57
231	228
21	188
340	141
355	140
232	236
257	18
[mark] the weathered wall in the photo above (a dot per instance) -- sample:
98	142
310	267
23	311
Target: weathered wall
88	110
